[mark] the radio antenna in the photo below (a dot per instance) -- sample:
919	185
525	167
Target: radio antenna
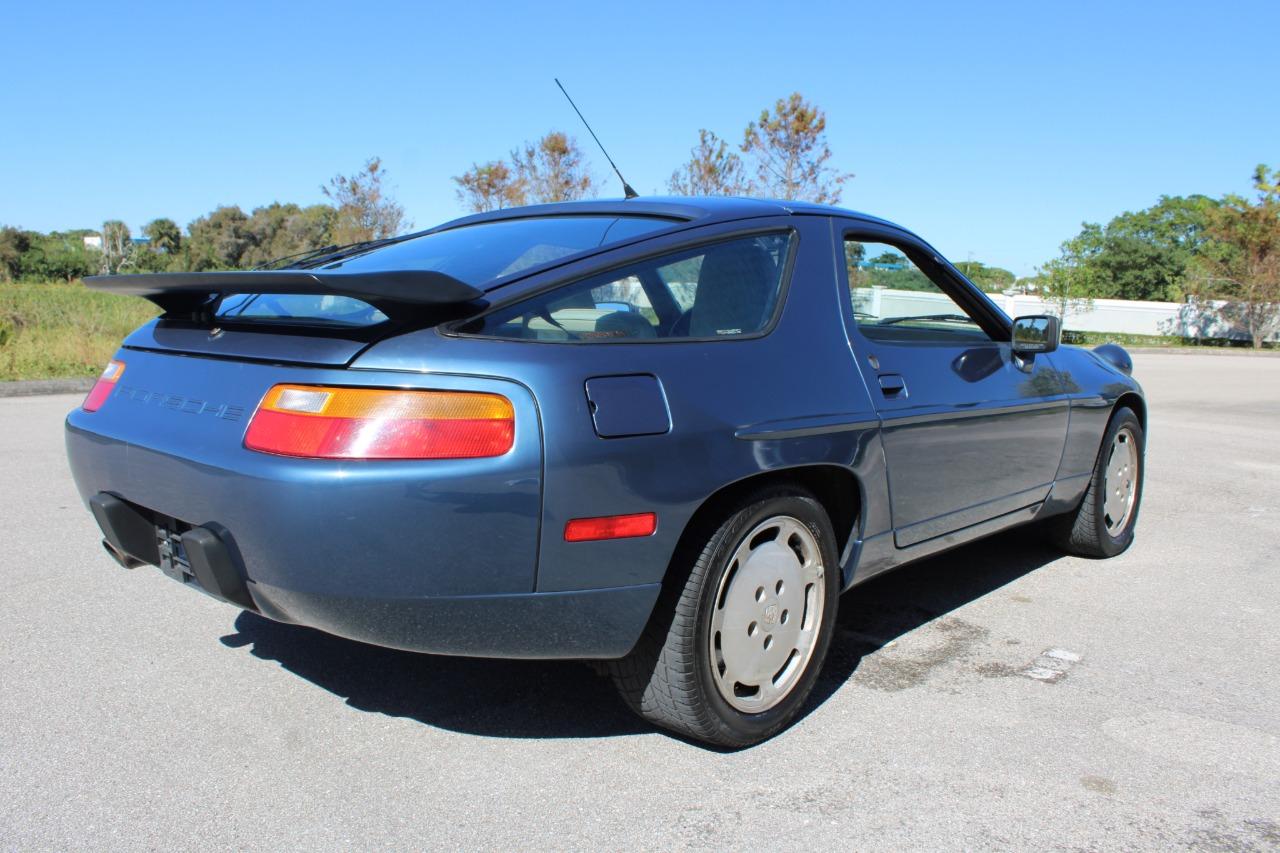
627	191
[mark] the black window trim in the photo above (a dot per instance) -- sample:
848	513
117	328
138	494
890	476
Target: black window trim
988	316
784	286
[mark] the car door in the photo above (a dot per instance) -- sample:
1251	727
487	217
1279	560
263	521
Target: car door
970	431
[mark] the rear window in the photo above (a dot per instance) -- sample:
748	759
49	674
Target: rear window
300	308
474	254
723	290
489	251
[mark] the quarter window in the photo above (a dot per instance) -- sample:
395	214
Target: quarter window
894	300
723	290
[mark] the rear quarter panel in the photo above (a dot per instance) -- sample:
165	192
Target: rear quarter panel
738	407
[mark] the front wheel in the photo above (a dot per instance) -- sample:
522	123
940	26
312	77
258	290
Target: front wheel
738	637
1103	524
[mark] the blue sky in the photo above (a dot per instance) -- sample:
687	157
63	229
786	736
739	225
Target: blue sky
993	129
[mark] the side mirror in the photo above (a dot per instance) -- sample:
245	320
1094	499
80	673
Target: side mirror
1037	333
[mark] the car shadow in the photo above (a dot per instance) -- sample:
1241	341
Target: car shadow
566	699
886	607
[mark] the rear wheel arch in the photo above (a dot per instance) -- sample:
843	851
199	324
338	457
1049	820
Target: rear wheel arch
683	674
835	487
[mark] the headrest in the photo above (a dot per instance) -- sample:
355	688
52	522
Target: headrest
624	324
736	286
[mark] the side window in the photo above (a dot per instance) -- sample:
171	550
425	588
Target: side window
725	289
893	300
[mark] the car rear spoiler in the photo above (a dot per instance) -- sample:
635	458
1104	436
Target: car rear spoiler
400	294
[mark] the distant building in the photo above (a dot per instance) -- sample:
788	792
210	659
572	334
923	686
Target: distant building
94	241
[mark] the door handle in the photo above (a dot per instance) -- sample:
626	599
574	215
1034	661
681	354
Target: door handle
893	385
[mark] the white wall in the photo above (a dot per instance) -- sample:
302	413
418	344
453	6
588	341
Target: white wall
1181	319
1106	315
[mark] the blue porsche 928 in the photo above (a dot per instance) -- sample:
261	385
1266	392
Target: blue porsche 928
664	434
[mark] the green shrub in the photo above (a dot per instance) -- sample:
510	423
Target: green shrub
57	330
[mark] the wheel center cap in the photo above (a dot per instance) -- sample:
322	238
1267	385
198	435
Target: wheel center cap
771	614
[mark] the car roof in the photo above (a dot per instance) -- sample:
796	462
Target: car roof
700	210
683	212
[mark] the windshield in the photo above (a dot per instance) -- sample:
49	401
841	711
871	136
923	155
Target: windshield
488	251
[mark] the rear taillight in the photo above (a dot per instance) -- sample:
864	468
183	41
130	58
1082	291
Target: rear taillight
368	423
101	389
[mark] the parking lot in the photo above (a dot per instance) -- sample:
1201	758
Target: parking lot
1001	695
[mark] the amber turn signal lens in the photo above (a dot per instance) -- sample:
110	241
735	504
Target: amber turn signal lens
327	422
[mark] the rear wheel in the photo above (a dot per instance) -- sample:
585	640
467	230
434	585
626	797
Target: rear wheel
736	642
1103	524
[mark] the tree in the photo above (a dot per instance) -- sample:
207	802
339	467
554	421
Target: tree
281	230
492	186
713	169
1147	255
553	169
1243	262
14	243
364	211
854	255
58	256
165	236
892	270
1069	282
217	241
310	228
117	246
791	153
990	279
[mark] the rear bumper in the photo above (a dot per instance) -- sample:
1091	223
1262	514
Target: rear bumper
600	623
597	623
437	557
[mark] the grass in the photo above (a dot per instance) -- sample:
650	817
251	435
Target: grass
63	330
1128	340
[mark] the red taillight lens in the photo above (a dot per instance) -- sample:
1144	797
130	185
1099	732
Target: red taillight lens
101	389
368	423
611	527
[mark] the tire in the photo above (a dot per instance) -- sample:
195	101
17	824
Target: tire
1092	530
682	673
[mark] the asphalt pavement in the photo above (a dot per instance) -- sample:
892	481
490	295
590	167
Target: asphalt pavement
999	696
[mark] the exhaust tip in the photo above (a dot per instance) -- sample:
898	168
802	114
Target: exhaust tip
123	559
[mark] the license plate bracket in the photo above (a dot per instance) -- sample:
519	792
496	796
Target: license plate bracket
173	556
